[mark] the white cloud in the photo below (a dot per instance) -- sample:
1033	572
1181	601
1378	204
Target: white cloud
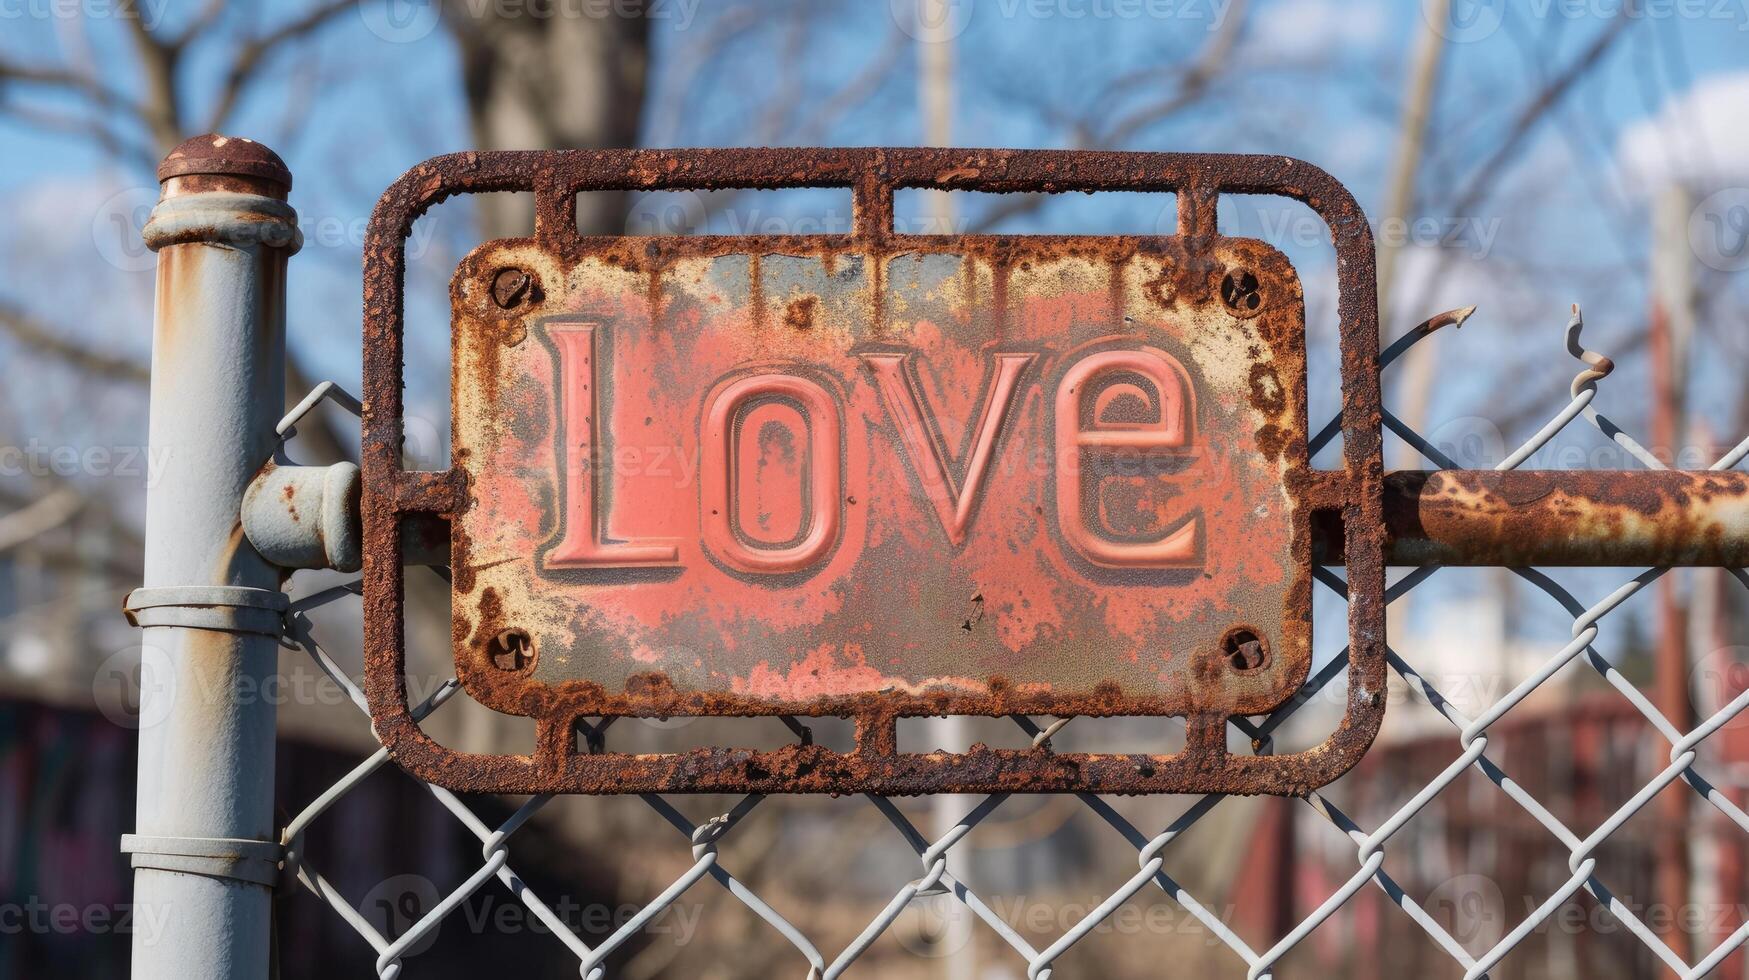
1314	28
1700	138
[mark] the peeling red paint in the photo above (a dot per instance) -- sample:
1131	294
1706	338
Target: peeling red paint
785	588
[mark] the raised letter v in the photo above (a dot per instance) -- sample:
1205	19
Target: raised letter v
954	500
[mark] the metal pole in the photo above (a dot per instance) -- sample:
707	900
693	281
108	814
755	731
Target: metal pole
1667	342
204	851
952	733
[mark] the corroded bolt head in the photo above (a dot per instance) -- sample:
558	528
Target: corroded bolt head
510	287
1241	292
511	650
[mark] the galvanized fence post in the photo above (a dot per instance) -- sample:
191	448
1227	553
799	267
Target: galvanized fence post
204	848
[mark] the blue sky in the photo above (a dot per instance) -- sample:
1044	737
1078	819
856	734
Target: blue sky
1319	79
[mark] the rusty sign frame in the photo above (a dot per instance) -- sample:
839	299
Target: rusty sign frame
395	499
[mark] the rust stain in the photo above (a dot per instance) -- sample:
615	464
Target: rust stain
799	314
667	302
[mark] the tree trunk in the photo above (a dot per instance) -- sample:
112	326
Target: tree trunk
548	80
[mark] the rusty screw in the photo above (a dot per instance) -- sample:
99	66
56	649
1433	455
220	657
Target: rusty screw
1245	650
1241	292
512	650
510	287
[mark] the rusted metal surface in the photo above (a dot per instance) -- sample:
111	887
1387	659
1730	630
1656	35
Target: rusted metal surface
762	482
216	162
204	841
305	516
1515	518
899	582
1520	518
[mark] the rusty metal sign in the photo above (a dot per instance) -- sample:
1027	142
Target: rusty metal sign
876	476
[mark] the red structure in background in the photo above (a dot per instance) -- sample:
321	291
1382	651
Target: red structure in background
1583	760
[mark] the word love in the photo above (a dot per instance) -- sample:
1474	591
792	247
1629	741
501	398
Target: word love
1093	406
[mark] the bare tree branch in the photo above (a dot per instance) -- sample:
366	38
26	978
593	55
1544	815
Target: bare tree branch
1193	85
855	92
254	53
202	22
664	125
124	150
44	339
70	81
161	110
1483	178
778	112
40	516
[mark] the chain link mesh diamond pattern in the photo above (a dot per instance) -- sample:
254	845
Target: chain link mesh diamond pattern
1154	849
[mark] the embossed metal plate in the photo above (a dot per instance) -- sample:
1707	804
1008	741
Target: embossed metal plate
879	475
769	481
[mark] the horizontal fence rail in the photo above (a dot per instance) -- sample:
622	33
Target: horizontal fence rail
1154	848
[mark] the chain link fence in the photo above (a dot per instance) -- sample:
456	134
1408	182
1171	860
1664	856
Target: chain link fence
1581	839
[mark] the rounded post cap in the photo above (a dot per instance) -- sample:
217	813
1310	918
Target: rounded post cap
225	156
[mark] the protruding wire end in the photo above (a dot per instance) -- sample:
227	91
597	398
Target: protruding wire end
1450	318
1599	366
